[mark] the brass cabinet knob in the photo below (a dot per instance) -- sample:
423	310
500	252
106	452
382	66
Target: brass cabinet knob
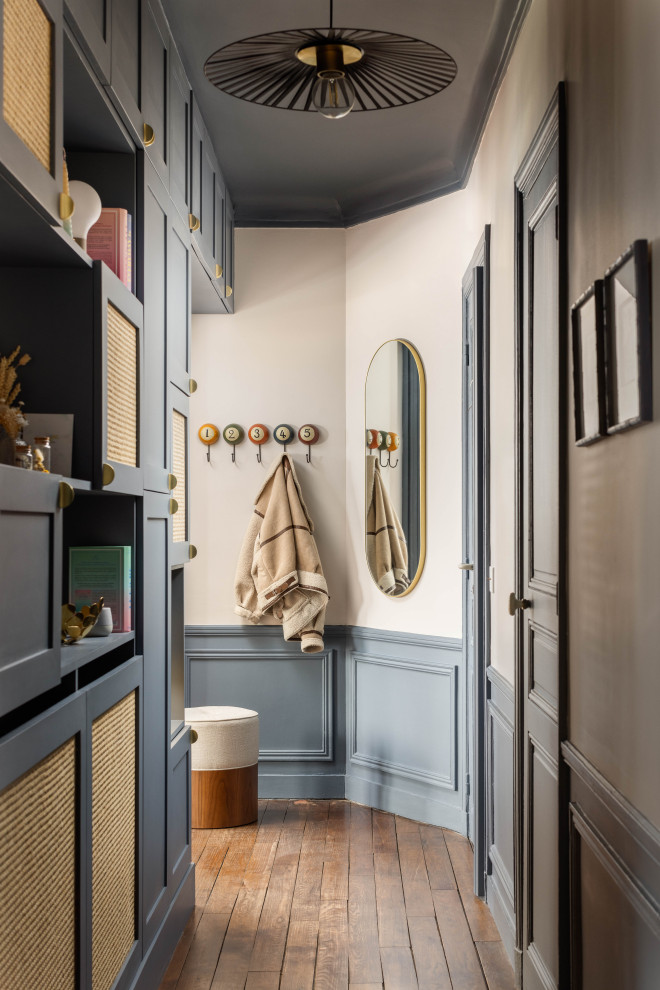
148	136
218	271
517	603
192	386
466	567
172	482
193	736
67	206
173	506
193	222
65	495
228	291
108	475
192	551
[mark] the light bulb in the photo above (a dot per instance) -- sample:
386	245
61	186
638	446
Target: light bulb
333	95
87	210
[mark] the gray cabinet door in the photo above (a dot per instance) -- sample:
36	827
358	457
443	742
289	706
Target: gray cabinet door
156	650
126	60
220	233
31	579
90	21
179	455
204	170
157	209
180	130
178	303
229	255
155	85
31	122
178	810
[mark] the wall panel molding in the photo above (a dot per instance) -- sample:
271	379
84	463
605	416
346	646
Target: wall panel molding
500	892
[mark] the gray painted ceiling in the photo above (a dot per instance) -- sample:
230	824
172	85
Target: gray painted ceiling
294	168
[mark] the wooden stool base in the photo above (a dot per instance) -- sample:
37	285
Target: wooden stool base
224	798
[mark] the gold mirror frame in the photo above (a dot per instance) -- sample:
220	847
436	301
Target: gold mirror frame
422	467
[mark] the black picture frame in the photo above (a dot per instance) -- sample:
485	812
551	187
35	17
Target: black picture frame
629	375
587	323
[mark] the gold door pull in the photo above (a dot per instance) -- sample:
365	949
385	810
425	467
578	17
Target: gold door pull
466	567
517	603
148	136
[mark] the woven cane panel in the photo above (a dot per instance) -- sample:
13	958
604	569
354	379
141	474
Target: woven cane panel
113	840
122	389
26	100
179	534
38	876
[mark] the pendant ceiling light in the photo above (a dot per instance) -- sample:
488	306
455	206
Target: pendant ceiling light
331	70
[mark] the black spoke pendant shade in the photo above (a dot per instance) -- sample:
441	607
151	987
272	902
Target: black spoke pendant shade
271	69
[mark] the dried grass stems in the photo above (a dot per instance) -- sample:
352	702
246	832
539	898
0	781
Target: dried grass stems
11	411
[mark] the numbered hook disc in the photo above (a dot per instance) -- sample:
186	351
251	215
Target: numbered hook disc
233	434
308	434
393	441
258	433
373	439
283	434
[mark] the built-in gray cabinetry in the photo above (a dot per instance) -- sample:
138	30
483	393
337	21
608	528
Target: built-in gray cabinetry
93	749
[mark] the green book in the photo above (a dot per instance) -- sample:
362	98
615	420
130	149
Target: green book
106	571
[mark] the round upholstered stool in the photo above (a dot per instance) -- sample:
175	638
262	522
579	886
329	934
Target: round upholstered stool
224	764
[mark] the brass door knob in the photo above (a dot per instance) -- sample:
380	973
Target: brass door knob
193	735
67	206
108	475
228	291
218	271
172	482
192	386
65	495
173	506
192	551
517	603
148	136
193	222
466	567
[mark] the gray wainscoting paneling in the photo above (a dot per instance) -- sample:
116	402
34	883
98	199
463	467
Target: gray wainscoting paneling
299	698
499	807
405	718
615	885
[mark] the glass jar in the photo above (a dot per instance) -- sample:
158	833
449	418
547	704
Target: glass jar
23	455
41	454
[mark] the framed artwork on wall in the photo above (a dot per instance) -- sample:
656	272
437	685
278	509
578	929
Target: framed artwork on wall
627	300
589	366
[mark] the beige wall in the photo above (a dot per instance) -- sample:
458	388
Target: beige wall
279	359
402	277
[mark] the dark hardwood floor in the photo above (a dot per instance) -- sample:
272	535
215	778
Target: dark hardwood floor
328	895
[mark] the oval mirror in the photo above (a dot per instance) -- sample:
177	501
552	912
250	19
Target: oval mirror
395	435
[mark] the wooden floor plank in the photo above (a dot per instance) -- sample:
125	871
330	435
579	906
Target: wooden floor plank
462	960
332	956
326	895
438	864
202	959
496	965
200	836
479	918
363	949
391	911
429	956
398	969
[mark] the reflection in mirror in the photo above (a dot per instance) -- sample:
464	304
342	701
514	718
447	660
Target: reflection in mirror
395	516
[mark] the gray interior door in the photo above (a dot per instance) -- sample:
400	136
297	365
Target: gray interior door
467	564
535	603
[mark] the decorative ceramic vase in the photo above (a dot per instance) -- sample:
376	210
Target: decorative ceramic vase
87	210
104	624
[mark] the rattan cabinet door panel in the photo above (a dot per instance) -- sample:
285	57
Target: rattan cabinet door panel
31	98
31	576
118	392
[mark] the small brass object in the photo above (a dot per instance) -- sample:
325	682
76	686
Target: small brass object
192	386
108	475
228	291
517	603
193	736
173	506
76	625
192	551
67	206
148	136
193	222
338	55
65	495
218	271
466	567
172	482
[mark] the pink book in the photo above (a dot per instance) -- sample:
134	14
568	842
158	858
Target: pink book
107	241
